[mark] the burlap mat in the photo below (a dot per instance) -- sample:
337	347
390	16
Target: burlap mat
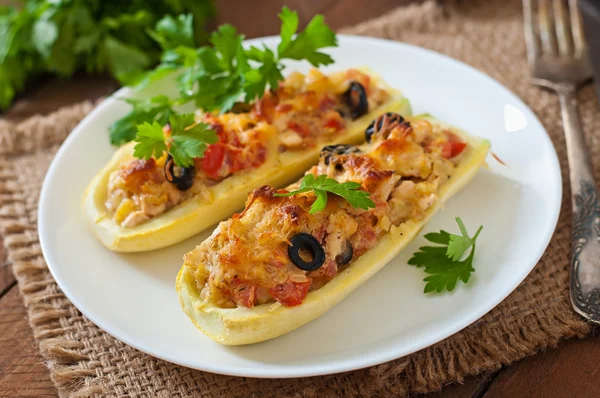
85	361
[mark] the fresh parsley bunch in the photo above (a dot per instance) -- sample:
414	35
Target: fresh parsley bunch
214	78
120	37
321	185
444	263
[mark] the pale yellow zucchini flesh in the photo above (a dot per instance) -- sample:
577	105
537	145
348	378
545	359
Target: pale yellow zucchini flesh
251	325
200	212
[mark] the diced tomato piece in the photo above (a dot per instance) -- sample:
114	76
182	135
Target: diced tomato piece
334	121
457	148
290	293
243	293
213	159
299	128
454	146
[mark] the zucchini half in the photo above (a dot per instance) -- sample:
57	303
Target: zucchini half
198	213
237	326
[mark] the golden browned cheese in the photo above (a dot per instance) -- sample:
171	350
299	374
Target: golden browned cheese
302	110
245	261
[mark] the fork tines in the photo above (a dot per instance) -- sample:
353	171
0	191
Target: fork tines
553	27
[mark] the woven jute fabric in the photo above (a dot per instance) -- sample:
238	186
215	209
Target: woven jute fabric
85	361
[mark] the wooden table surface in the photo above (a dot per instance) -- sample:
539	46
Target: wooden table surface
570	370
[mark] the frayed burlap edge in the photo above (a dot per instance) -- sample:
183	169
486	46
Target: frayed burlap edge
85	361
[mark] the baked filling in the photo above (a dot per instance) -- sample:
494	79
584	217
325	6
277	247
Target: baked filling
253	258
304	111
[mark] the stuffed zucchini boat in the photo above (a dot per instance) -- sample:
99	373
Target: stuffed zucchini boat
275	266
138	205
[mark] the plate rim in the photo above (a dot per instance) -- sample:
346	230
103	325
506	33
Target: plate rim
284	371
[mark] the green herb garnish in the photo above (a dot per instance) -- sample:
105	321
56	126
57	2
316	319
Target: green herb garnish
215	78
443	262
120	37
184	143
157	108
320	185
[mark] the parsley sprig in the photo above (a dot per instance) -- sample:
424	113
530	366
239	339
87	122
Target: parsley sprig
320	185
147	110
215	78
40	37
186	141
443	262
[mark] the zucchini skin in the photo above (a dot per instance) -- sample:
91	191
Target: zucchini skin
243	325
197	214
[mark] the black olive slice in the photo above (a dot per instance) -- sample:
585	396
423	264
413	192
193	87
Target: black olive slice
184	180
346	256
307	243
356	98
331	150
386	122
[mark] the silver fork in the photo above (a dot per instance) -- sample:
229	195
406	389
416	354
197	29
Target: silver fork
557	53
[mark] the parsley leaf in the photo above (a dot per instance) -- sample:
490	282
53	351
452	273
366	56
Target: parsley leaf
124	59
147	110
293	45
179	123
191	143
186	141
320	185
269	73
303	46
172	32
459	244
227	42
289	26
45	34
315	36
442	262
150	141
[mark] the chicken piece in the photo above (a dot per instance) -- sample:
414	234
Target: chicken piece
134	218
404	156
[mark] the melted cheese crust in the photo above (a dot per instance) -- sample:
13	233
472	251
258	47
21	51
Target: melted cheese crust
241	324
246	263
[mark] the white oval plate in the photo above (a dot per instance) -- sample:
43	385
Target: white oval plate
133	297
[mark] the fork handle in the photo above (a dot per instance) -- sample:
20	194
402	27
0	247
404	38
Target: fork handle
585	235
